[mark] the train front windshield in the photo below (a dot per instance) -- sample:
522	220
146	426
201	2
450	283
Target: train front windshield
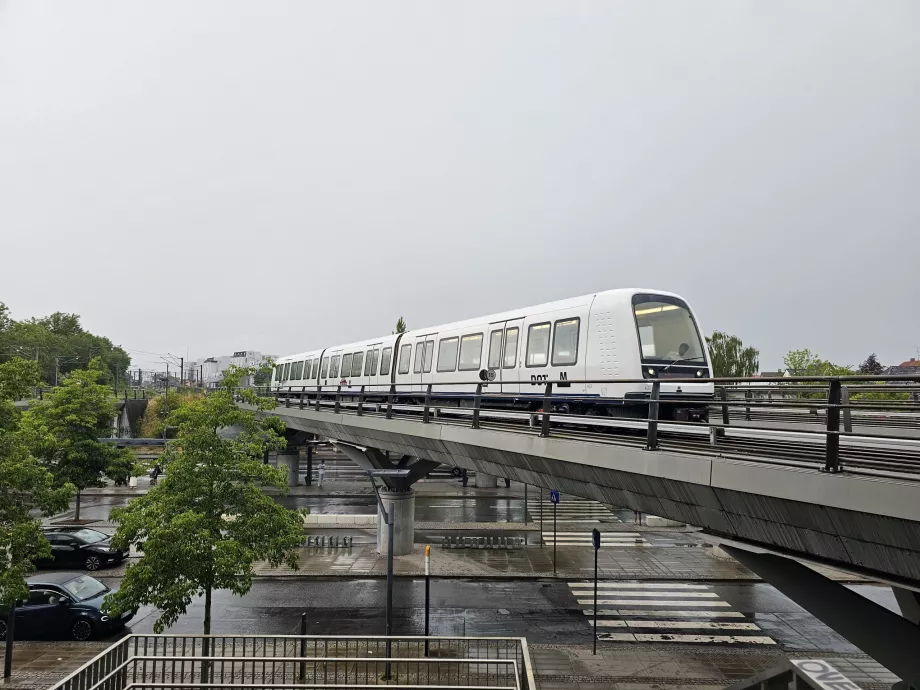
667	331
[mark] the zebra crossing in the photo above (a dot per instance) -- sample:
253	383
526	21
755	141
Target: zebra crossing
571	510
609	539
665	612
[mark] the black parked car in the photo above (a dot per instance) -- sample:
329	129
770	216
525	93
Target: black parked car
80	547
63	604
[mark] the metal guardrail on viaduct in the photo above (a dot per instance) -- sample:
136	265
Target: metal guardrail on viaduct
844	498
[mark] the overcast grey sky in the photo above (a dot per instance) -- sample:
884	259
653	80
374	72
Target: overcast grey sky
217	176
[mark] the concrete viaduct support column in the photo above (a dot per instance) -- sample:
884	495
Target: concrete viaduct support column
486	481
395	492
291	460
402	505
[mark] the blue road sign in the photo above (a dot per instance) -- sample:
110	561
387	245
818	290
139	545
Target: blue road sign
596	538
554	496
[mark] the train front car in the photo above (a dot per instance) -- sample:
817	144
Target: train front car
649	335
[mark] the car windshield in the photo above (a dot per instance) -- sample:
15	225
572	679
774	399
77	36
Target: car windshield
85	587
90	536
667	331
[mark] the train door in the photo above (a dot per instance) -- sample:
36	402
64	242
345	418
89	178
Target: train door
493	355
508	371
422	361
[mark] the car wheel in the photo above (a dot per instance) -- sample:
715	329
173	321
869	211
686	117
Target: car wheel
2	629
81	630
92	563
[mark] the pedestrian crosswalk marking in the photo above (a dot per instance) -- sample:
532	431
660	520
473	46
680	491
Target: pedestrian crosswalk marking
659	613
711	639
608	539
676	612
675	625
653	593
654	602
571	510
635	585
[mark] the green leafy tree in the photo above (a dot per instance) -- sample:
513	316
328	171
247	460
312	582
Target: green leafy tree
64	431
26	487
60	344
807	363
730	358
400	326
263	376
871	367
208	520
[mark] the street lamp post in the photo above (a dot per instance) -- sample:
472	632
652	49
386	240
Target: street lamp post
390	520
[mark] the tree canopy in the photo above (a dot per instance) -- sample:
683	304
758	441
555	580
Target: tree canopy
64	428
25	486
730	358
208	520
871	366
59	340
807	363
400	326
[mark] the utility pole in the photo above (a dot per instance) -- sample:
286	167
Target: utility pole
167	387
56	360
181	370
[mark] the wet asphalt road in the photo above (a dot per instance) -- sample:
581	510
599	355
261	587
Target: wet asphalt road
427	508
545	612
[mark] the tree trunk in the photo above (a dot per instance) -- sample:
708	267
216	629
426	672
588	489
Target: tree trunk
76	515
206	641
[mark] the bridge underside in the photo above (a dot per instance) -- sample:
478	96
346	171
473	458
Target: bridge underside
864	524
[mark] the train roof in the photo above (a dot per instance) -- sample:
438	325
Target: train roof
558	305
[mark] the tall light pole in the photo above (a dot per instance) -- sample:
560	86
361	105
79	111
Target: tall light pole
389	517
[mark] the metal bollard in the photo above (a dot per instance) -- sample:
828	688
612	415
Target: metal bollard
309	541
324	540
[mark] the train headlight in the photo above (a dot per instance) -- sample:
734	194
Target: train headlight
651	372
699	373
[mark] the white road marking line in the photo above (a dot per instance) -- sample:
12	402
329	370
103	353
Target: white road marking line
709	639
653	602
649	613
674	625
637	585
582	535
657	593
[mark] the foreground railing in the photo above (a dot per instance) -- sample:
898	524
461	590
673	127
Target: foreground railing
802	402
306	661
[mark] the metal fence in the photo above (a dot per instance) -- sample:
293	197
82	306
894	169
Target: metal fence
834	403
306	661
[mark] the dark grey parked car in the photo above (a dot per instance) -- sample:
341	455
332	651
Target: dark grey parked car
80	547
63	605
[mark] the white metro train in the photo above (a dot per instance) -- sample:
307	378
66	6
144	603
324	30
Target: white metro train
609	336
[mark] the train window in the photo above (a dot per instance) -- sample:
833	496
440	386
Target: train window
307	369
346	366
470	352
375	357
495	350
511	348
419	356
385	358
287	371
537	345
405	354
279	372
667	332
369	363
356	364
565	342
324	369
297	371
429	355
334	367
447	354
